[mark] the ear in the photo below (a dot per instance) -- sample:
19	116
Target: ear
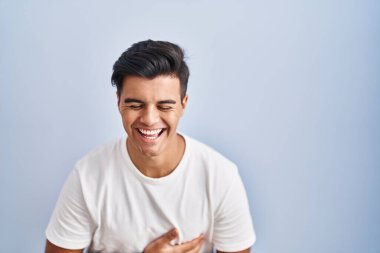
184	102
118	101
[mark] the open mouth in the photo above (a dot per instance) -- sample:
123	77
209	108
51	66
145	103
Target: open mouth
150	134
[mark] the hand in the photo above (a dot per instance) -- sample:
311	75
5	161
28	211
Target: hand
162	244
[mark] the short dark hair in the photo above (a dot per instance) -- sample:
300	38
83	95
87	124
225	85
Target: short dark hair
150	59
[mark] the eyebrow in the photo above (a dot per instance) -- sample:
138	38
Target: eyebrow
133	100
168	101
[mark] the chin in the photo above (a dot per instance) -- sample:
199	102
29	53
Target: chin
149	152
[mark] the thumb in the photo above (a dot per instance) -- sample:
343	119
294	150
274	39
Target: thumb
169	236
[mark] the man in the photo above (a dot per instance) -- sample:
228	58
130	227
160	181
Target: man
155	190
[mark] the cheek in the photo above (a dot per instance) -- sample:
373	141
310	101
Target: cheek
127	119
172	118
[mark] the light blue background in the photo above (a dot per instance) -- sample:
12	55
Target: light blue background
289	90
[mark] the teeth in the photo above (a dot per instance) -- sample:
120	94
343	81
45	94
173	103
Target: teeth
150	132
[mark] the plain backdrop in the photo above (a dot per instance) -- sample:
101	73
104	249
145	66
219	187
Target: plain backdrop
288	90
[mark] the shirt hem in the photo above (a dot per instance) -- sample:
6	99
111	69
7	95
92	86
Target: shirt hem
64	243
237	247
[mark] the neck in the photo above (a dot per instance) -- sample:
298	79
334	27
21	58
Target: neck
161	165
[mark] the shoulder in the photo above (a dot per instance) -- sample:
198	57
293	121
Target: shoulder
207	153
214	163
96	161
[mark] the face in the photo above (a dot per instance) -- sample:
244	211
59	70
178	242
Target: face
151	110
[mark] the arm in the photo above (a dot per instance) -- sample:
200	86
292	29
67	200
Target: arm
51	248
242	251
233	230
71	225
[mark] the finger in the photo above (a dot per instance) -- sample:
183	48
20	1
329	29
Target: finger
169	236
197	247
188	246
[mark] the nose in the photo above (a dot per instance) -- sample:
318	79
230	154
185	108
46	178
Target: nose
149	116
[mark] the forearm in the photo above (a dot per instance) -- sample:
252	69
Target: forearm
51	248
242	251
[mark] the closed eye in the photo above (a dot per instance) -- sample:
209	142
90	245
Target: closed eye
135	107
165	108
132	103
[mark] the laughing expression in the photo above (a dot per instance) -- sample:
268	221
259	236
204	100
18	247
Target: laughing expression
150	110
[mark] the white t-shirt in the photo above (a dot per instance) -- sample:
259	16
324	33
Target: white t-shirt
108	205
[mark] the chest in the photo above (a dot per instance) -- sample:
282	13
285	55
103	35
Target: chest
135	214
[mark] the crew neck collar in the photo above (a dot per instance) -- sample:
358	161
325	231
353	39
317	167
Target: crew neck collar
150	180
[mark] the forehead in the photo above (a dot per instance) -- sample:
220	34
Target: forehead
160	87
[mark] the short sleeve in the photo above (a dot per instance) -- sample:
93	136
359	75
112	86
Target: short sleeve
233	228
71	226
